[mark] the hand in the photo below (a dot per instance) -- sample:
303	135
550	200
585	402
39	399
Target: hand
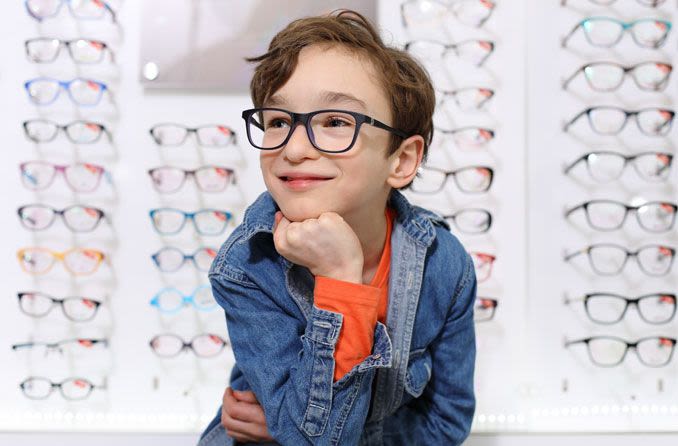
243	418
326	245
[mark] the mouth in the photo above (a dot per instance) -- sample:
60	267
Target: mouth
302	181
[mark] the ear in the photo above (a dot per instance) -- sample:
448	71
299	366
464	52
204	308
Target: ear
405	161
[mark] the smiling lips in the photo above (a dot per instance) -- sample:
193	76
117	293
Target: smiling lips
299	181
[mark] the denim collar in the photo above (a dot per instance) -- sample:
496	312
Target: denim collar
416	222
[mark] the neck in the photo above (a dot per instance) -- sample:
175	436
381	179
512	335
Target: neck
370	227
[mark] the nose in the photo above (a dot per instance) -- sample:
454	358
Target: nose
299	146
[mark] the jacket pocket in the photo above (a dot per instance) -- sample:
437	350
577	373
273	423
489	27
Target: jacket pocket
418	372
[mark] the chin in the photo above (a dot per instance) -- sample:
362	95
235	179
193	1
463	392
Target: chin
300	209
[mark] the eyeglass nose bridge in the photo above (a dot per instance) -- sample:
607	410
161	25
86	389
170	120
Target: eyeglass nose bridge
305	120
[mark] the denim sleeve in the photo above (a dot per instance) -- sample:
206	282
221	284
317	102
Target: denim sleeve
444	412
289	365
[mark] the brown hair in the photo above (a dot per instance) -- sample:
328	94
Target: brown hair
405	82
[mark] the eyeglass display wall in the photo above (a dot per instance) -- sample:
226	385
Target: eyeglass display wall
126	194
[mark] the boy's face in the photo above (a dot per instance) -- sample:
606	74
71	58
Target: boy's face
353	183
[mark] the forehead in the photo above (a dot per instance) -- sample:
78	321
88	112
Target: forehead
326	75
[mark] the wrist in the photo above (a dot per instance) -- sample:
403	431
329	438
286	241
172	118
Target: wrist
350	273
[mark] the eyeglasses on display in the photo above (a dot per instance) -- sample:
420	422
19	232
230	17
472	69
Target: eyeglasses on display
484	309
75	308
81	51
472	51
84	92
483	263
648	3
211	179
79	9
39	388
431	12
606	120
80	177
171	300
469	137
607	31
470	220
78	132
77	218
170	259
169	221
610	308
330	131
471	179
466	99
608	259
610	351
77	261
608	76
203	345
207	135
609	215
605	166
73	346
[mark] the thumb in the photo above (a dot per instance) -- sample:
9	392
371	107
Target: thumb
246	396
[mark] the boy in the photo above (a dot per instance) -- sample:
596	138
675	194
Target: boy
349	310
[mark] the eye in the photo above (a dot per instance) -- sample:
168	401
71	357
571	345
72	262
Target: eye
276	123
338	121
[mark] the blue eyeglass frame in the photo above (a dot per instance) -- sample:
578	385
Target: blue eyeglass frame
189	216
65	85
186	300
104	3
625	26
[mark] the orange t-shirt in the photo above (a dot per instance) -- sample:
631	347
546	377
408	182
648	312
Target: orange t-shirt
361	305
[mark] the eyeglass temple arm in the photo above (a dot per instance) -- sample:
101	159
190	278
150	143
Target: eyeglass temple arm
571	166
567	81
569	212
573	120
570	256
564	40
569	342
383	126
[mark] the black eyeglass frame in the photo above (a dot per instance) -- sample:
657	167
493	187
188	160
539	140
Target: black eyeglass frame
305	119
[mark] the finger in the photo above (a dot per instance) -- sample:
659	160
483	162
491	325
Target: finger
248	412
245	396
252	431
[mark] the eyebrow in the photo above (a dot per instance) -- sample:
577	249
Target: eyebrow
325	97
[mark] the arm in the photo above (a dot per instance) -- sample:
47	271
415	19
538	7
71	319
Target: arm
443	413
290	366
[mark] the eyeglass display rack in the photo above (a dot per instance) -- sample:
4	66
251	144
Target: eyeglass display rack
526	380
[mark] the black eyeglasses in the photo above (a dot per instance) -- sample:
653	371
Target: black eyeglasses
469	137
609	351
330	131
609	215
608	259
470	220
610	308
82	51
39	388
605	166
608	76
203	345
471	179
607	120
78	132
78	309
75	345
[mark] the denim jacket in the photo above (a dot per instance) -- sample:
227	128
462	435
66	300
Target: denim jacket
417	385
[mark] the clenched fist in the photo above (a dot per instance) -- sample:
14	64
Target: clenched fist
326	245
